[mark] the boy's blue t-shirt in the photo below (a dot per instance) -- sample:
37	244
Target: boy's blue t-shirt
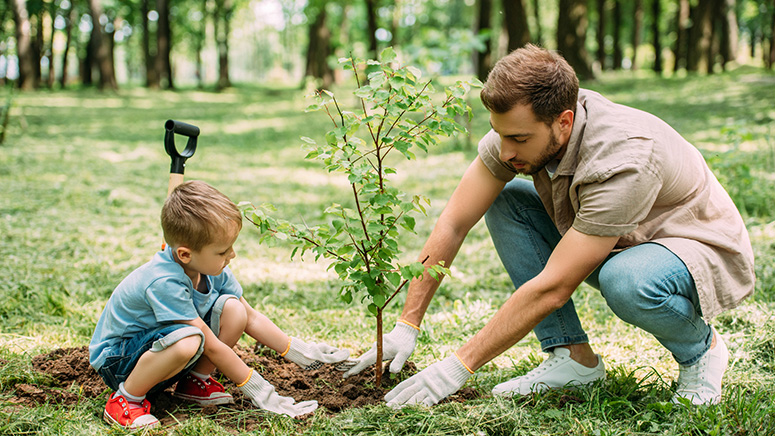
155	294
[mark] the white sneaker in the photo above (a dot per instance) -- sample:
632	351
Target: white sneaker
557	371
701	383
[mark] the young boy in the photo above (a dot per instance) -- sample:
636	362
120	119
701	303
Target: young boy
176	318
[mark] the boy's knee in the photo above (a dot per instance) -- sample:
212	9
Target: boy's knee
234	314
187	347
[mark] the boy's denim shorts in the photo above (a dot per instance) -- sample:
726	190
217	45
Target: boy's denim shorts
126	353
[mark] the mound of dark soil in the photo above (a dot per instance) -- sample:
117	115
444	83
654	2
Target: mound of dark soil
74	379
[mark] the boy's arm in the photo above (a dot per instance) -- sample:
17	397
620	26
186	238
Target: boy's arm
306	355
220	354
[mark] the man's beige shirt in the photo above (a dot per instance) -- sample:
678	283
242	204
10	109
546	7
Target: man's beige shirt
627	173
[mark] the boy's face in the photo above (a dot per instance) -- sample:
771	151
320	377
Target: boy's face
212	258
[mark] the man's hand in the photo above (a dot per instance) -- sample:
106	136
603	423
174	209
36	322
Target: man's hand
397	345
313	356
430	385
263	395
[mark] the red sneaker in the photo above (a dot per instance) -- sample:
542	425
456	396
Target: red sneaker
206	393
118	412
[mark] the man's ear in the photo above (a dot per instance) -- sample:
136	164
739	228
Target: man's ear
183	254
565	123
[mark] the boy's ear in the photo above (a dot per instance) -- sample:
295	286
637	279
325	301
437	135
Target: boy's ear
183	254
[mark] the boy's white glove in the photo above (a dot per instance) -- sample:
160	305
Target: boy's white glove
430	385
313	356
397	345
263	396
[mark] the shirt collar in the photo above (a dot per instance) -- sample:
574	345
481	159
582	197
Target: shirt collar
569	161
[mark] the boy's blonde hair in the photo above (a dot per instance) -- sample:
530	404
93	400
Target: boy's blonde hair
195	214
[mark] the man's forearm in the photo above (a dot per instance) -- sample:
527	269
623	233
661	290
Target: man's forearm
442	246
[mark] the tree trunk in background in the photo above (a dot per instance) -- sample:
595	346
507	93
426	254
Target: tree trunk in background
163	66
700	36
151	78
223	13
71	15
319	49
515	17
37	46
101	49
539	39
637	32
715	34
23	44
371	19
656	13
483	60
395	23
681	48
617	37
771	58
729	32
600	37
51	79
201	37
572	36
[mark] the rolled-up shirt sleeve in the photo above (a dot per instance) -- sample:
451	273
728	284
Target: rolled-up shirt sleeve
489	153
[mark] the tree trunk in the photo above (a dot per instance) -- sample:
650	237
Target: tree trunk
319	49
102	49
771	58
572	36
223	17
51	79
729	32
515	17
149	57
681	48
163	65
537	15
637	30
700	36
483	59
371	20
68	41
201	37
656	12
378	363
37	47
395	23
618	56
601	57
23	44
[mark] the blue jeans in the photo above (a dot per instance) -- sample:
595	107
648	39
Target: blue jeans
646	285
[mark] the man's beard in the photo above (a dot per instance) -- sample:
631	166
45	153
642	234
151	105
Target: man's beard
551	152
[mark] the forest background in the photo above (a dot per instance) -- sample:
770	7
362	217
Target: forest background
83	175
169	43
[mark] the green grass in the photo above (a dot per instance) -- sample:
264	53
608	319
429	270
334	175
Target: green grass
84	174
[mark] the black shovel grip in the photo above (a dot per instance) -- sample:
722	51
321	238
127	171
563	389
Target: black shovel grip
172	127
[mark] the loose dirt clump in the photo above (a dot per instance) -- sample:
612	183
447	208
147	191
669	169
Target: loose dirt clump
74	379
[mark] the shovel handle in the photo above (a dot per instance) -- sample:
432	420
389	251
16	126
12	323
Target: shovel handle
172	127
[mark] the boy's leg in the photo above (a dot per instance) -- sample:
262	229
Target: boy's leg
144	363
227	319
650	287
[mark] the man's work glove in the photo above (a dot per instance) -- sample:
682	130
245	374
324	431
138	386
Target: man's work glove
397	345
313	356
430	385
263	396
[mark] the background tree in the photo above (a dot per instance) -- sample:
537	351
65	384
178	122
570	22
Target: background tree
656	16
319	46
162	64
224	11
483	28
601	33
618	55
637	30
572	36
515	21
23	45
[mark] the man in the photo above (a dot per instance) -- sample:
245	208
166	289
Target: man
618	199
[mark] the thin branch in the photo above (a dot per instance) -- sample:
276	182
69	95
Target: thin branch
398	289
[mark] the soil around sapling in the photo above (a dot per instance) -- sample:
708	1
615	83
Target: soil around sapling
72	379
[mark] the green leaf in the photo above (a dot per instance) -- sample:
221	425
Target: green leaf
387	55
373	309
394	278
379	299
